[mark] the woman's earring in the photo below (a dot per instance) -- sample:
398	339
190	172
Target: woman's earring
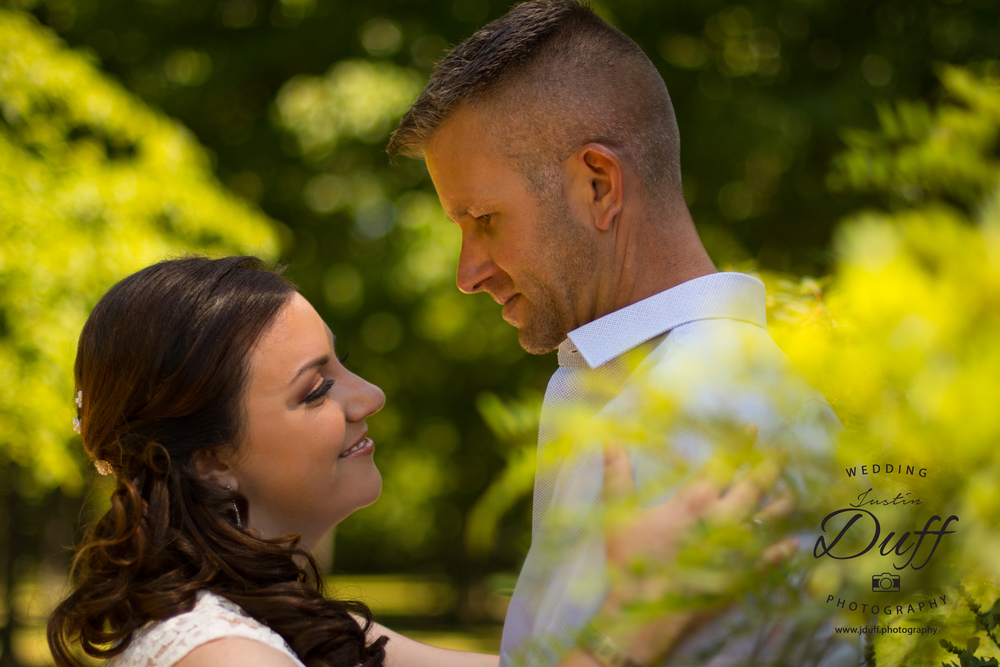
236	508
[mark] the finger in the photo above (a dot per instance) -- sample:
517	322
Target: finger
742	498
783	505
731	451
695	499
618	485
653	533
779	552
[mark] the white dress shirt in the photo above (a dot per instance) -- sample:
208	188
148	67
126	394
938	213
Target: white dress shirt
704	348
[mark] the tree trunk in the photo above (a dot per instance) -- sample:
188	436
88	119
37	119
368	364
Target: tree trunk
11	547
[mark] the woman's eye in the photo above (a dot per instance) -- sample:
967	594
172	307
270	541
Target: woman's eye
319	392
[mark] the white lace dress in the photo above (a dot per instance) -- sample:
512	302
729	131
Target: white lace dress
213	617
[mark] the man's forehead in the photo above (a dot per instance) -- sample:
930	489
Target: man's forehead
467	166
460	169
468	132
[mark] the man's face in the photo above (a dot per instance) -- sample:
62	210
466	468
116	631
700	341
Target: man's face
534	257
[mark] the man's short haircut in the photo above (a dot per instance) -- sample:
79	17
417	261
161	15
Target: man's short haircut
552	76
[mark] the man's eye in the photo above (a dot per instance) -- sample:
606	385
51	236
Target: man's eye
485	218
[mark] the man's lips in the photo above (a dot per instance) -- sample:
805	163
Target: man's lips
509	305
502	300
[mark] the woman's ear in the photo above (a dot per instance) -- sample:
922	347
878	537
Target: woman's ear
212	466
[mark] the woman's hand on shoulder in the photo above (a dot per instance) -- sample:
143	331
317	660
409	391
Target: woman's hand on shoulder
644	546
236	652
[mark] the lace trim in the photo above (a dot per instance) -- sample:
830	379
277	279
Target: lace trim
213	617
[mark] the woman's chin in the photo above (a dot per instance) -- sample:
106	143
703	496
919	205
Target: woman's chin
376	490
368	493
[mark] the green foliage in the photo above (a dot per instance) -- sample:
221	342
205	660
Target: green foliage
95	185
967	656
356	99
985	621
514	423
907	349
991	619
949	155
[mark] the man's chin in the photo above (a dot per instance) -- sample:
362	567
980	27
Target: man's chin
539	342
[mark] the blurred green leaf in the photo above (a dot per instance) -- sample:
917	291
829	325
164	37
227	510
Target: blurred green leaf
95	185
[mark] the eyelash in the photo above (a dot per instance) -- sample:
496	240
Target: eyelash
319	392
324	386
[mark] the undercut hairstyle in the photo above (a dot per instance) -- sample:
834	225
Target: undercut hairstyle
552	76
163	366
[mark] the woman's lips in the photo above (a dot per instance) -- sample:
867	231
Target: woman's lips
364	448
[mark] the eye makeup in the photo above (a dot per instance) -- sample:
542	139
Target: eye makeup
319	392
324	387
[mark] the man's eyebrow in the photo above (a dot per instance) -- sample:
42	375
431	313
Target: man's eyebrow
315	363
458	212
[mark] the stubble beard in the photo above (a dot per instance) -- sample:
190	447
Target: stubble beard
540	333
549	310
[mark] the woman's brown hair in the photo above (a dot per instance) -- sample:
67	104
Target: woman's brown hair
162	365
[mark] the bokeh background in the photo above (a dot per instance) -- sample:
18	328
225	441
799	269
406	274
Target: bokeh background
132	130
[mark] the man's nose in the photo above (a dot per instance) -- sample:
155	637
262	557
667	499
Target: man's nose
474	266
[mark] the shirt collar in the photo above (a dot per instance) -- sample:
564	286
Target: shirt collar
724	295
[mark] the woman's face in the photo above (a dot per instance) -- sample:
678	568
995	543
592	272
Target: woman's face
305	460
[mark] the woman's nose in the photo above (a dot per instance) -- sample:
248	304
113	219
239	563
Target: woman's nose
367	400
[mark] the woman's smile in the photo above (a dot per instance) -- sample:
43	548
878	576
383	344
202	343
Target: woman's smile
364	448
306	458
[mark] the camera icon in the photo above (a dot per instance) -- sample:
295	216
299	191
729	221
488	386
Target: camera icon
885	583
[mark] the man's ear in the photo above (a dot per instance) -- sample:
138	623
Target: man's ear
604	180
213	466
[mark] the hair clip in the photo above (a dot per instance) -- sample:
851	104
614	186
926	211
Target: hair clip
102	466
77	422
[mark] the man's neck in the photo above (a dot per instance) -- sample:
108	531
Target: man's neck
651	256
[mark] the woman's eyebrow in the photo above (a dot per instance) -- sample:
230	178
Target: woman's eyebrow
315	363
